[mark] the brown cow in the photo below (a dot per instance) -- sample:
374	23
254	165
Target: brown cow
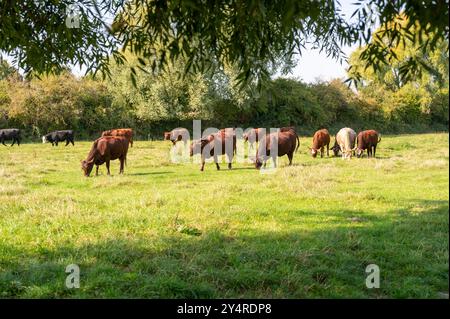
220	143
367	140
177	135
320	140
125	132
104	150
288	143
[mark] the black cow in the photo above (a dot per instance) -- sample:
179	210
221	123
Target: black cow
59	136
10	134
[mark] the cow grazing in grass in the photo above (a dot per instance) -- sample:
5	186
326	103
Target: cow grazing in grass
288	143
367	140
9	134
220	143
104	150
320	139
177	135
125	132
253	136
345	142
59	136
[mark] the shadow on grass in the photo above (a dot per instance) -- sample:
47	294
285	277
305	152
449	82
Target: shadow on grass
327	261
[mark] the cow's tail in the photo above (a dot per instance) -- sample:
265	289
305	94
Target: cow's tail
298	142
379	138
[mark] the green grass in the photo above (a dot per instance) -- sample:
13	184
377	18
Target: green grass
167	230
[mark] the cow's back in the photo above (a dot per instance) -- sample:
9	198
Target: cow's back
9	132
321	138
286	142
368	138
111	147
128	132
346	138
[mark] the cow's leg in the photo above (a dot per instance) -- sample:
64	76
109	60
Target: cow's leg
67	142
322	151
3	142
203	164
56	142
374	150
73	143
107	167
122	160
230	160
328	149
216	160
96	170
274	160
18	141
290	156
14	140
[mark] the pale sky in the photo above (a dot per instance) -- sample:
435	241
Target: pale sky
311	66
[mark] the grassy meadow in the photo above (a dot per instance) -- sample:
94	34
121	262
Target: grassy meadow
166	230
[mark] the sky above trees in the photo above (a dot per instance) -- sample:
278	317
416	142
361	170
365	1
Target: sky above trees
314	65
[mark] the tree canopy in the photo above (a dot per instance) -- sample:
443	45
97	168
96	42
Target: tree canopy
251	34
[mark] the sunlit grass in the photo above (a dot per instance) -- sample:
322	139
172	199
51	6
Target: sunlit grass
169	230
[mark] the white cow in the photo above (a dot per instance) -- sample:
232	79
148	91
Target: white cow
345	142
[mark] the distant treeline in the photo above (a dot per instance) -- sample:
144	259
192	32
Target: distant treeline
161	102
152	101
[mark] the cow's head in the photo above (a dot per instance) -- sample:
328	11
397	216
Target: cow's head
166	136
336	149
359	152
87	166
258	160
258	163
198	145
313	152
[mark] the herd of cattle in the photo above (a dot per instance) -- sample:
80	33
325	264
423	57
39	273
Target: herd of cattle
346	143
113	144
